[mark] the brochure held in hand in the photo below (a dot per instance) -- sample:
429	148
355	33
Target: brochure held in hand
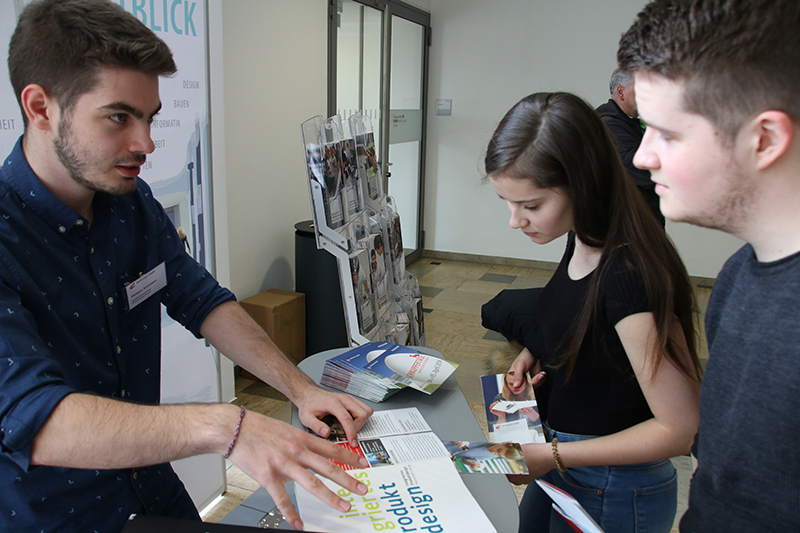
569	509
512	413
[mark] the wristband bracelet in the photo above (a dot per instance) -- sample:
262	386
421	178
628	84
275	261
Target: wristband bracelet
557	459
242	410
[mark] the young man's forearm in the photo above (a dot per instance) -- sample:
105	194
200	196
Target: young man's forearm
231	330
86	431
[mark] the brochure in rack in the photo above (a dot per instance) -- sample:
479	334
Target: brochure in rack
424	496
511	417
376	370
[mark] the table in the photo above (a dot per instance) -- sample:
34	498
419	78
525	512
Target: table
449	416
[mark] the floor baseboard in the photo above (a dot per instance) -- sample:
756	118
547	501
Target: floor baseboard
699	281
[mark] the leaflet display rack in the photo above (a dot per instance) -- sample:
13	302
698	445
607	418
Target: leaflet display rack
357	223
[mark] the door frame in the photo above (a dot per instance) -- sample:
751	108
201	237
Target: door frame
413	14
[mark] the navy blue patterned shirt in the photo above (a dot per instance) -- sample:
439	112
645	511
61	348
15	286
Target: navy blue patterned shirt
66	326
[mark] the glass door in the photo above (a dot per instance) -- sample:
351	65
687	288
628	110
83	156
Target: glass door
378	65
356	71
406	126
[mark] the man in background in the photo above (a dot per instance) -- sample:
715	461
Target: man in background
622	118
87	258
717	85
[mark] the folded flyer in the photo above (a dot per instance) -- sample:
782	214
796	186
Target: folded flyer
395	436
513	407
400	436
569	509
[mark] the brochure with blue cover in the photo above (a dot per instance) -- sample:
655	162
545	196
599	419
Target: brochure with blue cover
376	370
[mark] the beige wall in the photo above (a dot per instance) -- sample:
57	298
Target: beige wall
486	56
275	71
270	76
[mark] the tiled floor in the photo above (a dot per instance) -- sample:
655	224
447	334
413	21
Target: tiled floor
453	293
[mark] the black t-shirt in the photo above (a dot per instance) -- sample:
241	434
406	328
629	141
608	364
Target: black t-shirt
602	396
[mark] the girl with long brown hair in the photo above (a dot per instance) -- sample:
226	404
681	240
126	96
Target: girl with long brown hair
621	393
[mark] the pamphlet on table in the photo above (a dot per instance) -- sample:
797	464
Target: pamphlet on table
401	436
424	496
396	436
376	370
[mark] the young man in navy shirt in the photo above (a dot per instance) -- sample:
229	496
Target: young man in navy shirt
83	441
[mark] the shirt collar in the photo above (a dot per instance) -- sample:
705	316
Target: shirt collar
19	175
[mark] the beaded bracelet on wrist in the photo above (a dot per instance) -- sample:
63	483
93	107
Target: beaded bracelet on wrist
242	410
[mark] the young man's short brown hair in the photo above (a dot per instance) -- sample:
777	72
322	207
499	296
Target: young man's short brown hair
62	44
736	57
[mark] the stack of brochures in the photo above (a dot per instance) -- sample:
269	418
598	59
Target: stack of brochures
376	370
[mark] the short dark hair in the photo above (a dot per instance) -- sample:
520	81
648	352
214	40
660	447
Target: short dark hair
737	58
62	44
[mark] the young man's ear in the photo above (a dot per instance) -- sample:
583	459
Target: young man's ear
39	108
773	133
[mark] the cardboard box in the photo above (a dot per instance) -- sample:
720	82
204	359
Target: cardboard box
282	314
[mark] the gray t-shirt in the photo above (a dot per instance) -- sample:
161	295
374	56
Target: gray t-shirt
747	446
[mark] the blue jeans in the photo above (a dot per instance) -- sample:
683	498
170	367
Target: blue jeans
640	498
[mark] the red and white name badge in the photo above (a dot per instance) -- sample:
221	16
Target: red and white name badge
147	285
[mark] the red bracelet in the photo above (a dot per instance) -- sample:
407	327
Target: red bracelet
236	432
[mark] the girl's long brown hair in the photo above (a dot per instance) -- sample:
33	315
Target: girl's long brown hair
556	140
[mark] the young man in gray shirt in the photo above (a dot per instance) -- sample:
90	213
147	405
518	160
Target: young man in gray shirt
717	85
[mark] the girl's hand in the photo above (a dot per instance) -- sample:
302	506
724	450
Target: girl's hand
538	378
524	363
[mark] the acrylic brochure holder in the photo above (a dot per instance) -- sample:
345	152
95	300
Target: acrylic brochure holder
359	225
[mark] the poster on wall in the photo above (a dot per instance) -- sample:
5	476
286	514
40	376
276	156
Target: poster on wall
10	117
178	171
